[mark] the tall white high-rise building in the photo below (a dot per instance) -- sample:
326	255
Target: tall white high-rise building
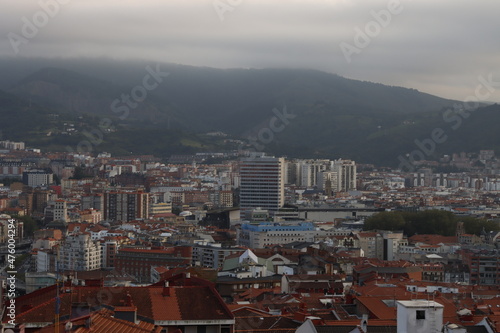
328	181
262	183
346	173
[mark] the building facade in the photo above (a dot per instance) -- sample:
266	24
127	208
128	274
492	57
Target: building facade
60	210
138	261
80	253
34	178
420	316
346	173
212	255
126	206
264	234
262	184
484	266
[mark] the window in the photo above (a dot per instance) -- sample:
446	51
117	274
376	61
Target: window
420	314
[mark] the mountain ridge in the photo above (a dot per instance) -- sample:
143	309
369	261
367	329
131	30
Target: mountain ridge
332	115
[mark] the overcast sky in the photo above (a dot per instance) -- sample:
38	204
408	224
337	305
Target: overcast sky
439	47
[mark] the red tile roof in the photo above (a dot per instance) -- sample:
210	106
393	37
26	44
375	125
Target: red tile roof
183	303
102	321
433	239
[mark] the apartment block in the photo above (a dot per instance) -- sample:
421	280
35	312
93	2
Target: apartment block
212	255
79	253
126	206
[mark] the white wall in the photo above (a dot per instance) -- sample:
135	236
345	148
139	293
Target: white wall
407	321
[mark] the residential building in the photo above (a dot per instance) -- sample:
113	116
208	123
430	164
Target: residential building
328	181
126	206
309	171
60	210
94	201
160	208
46	261
109	249
212	255
433	272
138	261
12	145
484	266
34	178
370	243
90	216
456	273
80	253
346	173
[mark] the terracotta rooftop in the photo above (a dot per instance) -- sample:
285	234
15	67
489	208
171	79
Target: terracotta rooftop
261	321
433	239
180	303
103	321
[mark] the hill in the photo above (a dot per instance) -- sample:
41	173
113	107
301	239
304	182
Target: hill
52	129
330	116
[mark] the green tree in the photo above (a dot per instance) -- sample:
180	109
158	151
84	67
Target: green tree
393	221
81	172
475	225
30	225
428	222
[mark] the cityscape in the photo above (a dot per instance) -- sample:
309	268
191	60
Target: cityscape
252	242
249	166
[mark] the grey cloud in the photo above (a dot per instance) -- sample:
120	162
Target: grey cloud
437	47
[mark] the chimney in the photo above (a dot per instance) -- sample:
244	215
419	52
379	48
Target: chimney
364	323
68	327
188	275
88	322
166	289
128	311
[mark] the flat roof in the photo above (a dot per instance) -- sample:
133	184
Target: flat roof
421	303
